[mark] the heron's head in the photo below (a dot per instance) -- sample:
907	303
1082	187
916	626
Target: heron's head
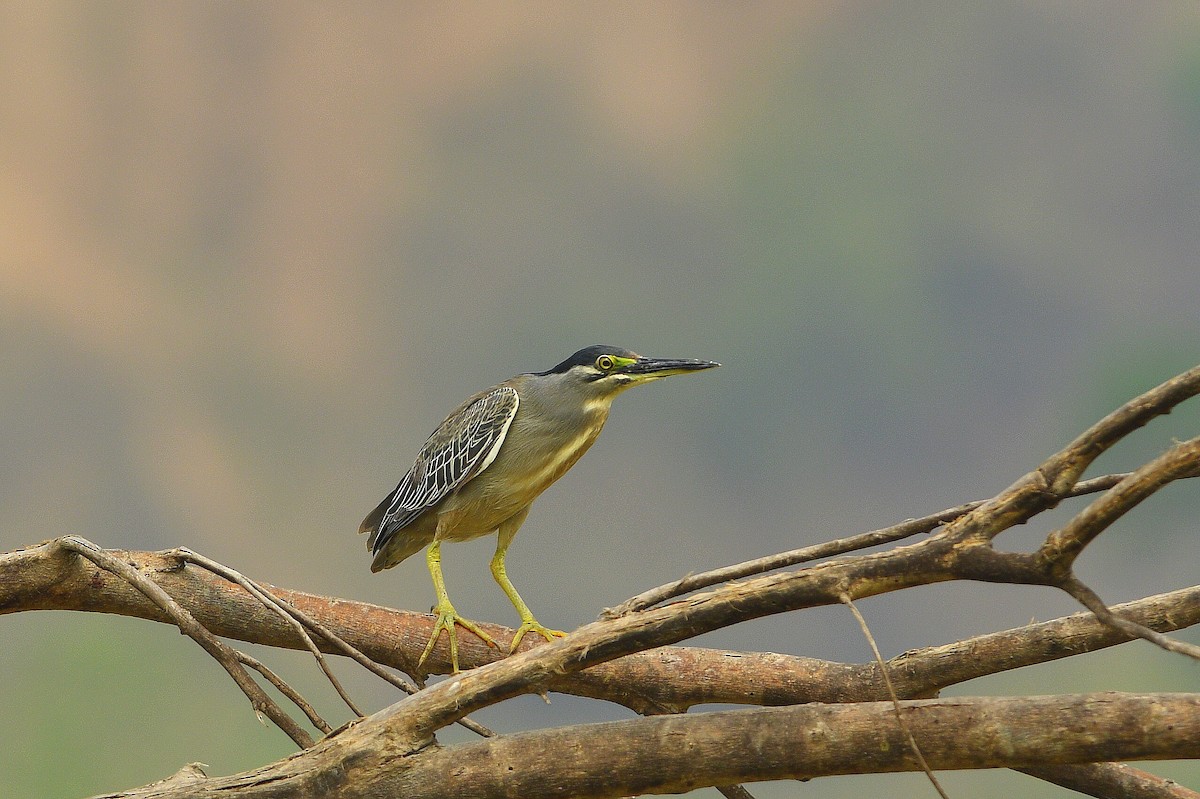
601	372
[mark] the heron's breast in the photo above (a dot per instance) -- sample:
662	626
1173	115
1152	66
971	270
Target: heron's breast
541	471
519	474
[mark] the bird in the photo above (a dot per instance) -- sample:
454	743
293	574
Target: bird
482	468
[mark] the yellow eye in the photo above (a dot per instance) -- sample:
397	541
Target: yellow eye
605	362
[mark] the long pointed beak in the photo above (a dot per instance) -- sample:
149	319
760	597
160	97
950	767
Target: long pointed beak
653	368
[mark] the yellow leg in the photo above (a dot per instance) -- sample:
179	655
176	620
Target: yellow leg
447	616
528	622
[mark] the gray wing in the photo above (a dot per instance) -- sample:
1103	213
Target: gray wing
459	449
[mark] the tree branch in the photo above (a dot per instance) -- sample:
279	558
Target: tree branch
695	750
1064	545
1046	486
1089	599
665	679
259	700
924	672
1111	781
828	549
286	614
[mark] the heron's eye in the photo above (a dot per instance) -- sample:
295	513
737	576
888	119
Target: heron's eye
605	362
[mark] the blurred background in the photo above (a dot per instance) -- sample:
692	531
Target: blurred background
253	253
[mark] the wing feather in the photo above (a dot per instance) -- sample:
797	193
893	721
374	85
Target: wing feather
462	447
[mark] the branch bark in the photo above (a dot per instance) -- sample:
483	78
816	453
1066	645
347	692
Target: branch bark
695	750
828	549
664	679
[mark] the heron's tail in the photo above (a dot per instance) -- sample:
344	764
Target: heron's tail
372	522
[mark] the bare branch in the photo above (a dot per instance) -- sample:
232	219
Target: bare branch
924	672
293	696
1065	468
829	549
659	680
298	621
188	624
694	750
272	604
1047	485
1064	545
418	716
1088	598
1112	781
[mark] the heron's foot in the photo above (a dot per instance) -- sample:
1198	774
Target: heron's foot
530	625
447	618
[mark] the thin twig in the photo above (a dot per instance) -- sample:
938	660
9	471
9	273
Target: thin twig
294	616
223	654
285	689
273	604
887	681
1090	600
333	638
829	549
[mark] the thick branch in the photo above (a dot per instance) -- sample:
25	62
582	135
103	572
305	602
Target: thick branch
669	754
431	709
43	577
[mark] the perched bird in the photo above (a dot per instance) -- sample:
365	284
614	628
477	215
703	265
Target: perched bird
483	467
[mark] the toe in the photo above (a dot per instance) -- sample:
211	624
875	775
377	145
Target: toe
533	627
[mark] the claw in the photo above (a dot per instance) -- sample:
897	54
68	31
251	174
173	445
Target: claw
531	625
447	618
